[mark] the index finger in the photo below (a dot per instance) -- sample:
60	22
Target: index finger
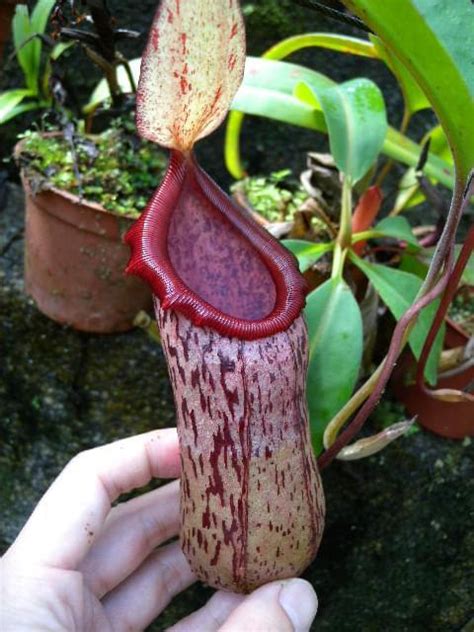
66	520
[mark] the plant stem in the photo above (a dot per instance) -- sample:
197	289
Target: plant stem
345	226
339	258
448	295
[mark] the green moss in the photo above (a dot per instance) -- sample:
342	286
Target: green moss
114	169
275	197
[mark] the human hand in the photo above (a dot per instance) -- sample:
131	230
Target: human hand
80	565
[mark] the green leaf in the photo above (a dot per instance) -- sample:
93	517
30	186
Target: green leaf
413	96
413	264
59	49
22	108
398	228
335	353
439	145
22	31
409	193
398	291
435	44
357	124
278	106
9	101
39	20
267	77
330	41
306	252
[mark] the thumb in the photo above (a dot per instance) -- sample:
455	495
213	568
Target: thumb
282	606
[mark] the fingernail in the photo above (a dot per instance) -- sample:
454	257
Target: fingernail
299	601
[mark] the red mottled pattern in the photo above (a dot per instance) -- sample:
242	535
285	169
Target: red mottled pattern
214	260
251	497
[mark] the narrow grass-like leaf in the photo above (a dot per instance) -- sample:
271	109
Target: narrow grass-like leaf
22	32
335	342
9	101
39	20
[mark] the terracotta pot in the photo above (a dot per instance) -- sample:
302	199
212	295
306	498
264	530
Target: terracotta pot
7	8
75	260
454	420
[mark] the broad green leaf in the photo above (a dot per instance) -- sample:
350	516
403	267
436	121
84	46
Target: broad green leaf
413	96
268	75
398	291
306	252
398	228
192	67
434	41
282	76
357	124
413	263
335	353
330	41
9	101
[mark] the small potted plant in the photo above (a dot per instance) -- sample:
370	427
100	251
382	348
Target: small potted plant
81	197
82	191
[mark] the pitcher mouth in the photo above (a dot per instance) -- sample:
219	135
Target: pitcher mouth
206	258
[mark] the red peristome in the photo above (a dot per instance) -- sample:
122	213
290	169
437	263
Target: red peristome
208	259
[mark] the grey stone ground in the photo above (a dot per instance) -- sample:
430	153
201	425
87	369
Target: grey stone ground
398	550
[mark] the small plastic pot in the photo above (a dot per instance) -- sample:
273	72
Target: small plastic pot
454	420
75	260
